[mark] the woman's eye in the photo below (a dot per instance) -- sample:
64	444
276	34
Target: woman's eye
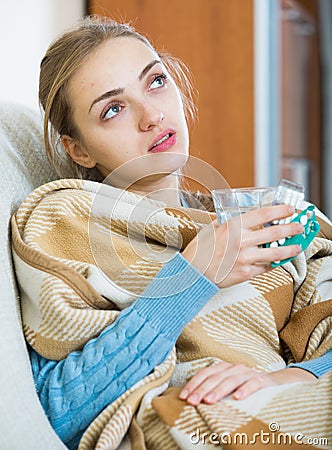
112	111
158	82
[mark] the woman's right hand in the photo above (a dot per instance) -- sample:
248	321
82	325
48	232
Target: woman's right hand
233	252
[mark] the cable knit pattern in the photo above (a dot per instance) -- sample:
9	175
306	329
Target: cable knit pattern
318	366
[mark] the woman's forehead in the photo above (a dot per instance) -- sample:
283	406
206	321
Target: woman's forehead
117	56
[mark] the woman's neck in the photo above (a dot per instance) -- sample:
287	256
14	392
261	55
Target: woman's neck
165	189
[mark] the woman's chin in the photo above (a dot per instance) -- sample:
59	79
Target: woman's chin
169	161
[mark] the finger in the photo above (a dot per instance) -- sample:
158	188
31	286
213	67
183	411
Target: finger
274	233
227	386
207	387
252	385
200	377
267	214
268	255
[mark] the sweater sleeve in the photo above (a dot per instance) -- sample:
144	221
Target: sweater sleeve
318	366
75	390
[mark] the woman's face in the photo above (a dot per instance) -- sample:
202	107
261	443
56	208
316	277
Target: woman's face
126	106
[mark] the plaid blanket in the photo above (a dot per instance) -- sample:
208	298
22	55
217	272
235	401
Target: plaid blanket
83	251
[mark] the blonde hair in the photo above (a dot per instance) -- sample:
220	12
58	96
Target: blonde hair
62	59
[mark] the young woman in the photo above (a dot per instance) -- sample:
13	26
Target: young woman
109	99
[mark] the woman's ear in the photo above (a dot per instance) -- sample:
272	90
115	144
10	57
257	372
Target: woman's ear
77	152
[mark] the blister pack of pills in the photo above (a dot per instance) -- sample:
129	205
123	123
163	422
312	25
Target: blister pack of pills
293	194
289	193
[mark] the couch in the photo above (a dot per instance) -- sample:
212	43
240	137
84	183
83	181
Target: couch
24	166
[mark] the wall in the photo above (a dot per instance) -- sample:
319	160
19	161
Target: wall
26	29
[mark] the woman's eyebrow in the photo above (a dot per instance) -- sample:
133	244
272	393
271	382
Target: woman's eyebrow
107	94
118	91
148	67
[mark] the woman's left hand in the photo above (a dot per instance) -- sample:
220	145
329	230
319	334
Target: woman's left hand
211	384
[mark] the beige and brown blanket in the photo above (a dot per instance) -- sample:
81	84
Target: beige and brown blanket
84	250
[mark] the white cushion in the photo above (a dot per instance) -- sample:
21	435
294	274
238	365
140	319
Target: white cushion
23	166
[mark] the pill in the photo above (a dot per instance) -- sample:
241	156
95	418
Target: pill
304	220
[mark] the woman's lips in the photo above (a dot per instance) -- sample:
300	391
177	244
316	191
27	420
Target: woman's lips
163	142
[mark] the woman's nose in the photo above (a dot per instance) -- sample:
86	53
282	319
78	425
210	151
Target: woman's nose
150	117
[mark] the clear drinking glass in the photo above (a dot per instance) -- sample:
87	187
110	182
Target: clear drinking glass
233	202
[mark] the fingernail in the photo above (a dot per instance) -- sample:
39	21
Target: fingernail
238	394
299	248
183	394
210	397
291	209
193	399
299	227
